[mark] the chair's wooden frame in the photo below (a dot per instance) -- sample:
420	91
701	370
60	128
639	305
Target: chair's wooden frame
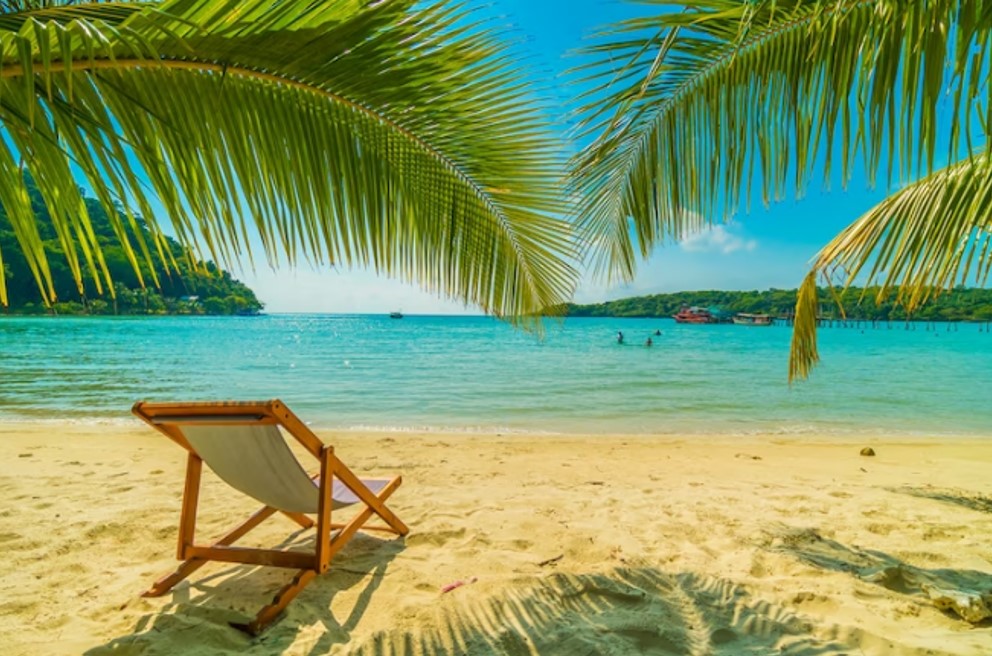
167	419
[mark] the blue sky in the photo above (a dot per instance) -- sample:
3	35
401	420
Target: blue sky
759	249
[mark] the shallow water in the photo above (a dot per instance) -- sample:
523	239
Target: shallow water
474	373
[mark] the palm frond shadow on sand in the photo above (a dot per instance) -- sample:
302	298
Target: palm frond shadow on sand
962	498
939	586
629	610
208	603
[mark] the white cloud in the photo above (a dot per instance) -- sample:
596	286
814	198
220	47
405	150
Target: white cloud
717	239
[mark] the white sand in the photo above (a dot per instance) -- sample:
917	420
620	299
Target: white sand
669	546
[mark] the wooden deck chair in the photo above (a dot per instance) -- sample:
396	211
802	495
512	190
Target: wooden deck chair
242	443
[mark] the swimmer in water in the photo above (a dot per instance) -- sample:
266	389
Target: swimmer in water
648	343
619	337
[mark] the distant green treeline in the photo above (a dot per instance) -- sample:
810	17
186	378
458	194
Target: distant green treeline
961	304
207	291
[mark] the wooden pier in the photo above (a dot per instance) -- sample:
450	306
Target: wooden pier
875	324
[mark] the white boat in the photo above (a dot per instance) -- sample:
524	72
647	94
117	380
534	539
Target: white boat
396	315
745	319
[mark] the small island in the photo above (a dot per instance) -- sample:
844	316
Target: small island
959	304
183	288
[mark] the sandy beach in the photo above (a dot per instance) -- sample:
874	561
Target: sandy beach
566	545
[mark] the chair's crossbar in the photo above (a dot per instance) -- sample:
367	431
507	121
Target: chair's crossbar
367	527
253	556
160	420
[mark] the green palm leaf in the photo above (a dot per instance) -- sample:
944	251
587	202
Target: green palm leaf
393	134
920	241
694	107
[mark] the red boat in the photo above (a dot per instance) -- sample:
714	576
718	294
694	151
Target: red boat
694	315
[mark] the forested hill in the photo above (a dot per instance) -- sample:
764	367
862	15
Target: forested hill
958	305
208	291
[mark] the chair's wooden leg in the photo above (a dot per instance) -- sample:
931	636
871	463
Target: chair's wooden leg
380	509
355	524
299	518
279	602
368	498
324	505
191	495
165	583
187	529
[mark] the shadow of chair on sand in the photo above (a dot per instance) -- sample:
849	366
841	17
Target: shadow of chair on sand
960	593
207	604
629	610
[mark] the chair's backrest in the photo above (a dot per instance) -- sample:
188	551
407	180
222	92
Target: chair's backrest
256	460
242	443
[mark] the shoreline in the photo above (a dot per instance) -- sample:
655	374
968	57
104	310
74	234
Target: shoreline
813	434
577	544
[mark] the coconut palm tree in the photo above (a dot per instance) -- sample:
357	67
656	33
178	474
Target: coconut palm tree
697	105
394	134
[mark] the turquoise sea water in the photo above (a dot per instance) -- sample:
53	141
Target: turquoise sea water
477	374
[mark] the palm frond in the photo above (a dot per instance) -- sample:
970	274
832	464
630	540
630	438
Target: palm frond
693	107
14	13
921	241
803	353
395	135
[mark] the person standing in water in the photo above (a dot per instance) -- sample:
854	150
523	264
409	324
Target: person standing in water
619	337
648	343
